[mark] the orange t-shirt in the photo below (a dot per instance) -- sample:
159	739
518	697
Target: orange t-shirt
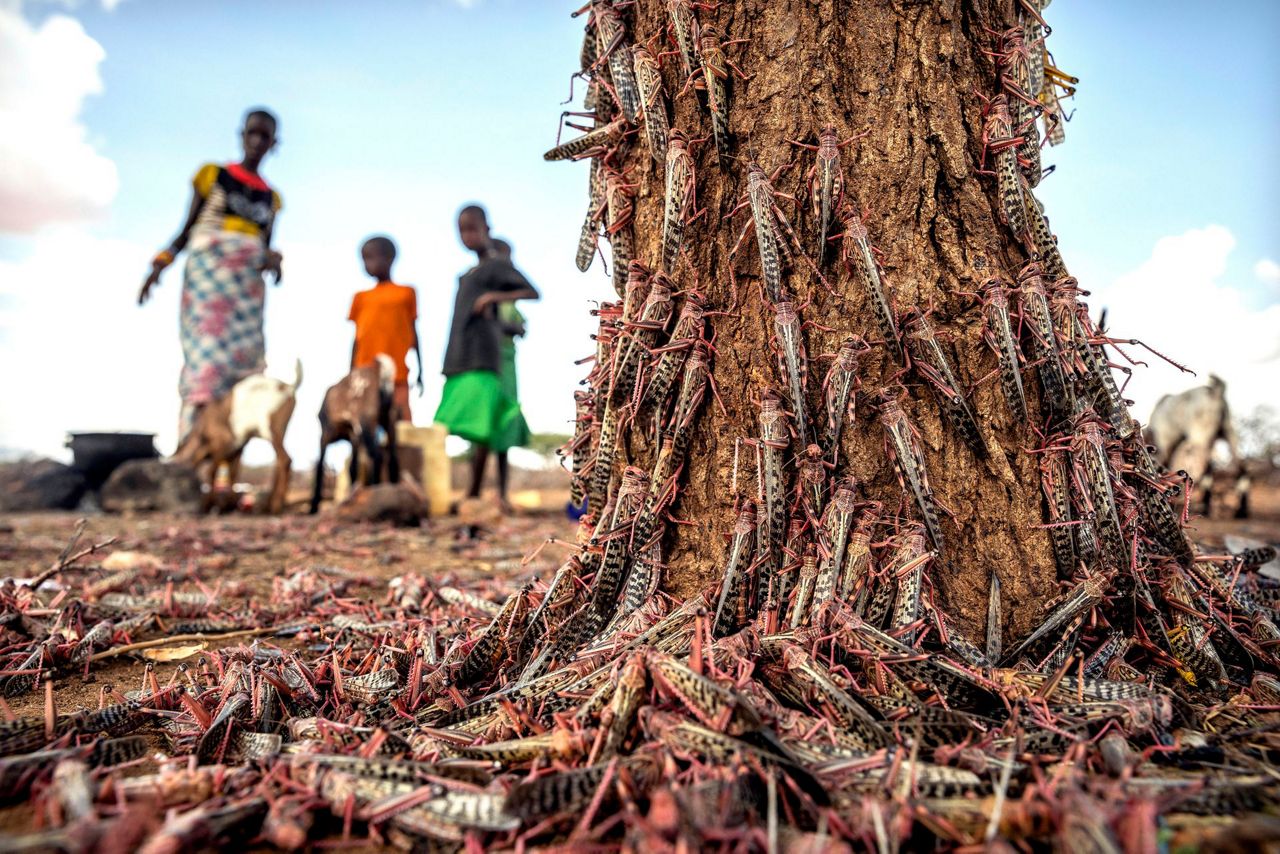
384	317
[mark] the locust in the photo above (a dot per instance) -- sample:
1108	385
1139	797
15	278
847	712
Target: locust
737	562
1055	481
777	585
501	635
909	460
802	596
1087	359
860	259
695	379
618	547
1148	481
831	697
653	103
839	390
994	623
1014	64
928	358
628	694
772	445
715	78
642	581
714	705
680	198
1092	474
591	223
1033	40
688	328
877	598
579	448
642	333
593	143
811	484
826	181
451	815
619	212
837	525
693	739
1039	239
99	635
775	238
1033	303
1084	596
25	680
857	564
662	484
684	27
602	464
998	139
999	335
675	440
793	362
907	566
611	35
636	291
1189	639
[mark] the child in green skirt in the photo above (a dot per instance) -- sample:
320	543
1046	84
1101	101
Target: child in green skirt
475	405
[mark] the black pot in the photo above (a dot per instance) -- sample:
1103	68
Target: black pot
96	455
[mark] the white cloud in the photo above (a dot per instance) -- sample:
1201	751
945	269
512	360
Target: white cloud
81	355
49	171
1178	303
1267	271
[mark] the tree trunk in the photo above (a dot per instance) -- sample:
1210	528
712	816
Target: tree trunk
904	78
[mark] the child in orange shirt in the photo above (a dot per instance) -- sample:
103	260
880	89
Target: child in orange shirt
386	320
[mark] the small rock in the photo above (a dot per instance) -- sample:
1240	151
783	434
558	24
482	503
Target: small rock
398	503
130	560
152	486
34	485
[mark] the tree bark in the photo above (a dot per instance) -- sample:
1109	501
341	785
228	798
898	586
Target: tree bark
908	76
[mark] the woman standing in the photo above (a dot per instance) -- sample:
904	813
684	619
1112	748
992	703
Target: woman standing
228	237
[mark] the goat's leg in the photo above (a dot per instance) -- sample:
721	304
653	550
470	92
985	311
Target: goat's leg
318	486
374	450
354	464
280	485
393	455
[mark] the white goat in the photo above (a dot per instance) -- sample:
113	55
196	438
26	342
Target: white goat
258	407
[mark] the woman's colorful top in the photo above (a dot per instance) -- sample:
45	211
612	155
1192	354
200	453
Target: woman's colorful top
234	200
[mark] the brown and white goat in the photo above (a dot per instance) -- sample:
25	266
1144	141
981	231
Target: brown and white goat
257	407
353	410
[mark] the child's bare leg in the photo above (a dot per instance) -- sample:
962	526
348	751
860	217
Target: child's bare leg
503	472
479	456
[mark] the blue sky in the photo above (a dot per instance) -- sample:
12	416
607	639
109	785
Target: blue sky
394	114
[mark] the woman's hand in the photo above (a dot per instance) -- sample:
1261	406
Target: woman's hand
153	278
271	264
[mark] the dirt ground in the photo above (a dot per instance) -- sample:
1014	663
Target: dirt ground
244	555
247	552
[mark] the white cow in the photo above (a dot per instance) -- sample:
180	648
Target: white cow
1184	428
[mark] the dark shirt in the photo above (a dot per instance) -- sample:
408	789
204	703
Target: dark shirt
475	341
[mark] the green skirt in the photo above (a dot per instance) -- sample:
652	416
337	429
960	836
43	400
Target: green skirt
516	434
474	407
